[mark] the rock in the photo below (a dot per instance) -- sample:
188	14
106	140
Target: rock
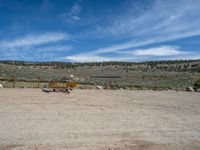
99	87
197	90
190	89
1	86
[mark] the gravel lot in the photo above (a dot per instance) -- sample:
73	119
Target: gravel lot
99	119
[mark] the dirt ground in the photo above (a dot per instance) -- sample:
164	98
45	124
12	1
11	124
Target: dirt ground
99	120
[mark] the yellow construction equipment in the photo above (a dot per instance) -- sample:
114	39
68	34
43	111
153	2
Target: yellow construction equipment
62	85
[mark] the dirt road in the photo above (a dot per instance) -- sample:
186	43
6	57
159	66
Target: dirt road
99	119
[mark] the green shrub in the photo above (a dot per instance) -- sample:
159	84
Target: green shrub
138	86
197	83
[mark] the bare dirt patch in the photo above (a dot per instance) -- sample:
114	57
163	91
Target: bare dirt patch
99	119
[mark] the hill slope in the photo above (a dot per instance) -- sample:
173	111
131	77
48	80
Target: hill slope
155	74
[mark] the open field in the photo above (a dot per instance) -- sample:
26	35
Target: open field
99	119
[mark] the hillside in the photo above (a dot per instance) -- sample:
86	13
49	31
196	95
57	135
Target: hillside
154	74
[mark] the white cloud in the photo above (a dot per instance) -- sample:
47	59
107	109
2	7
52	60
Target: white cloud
134	58
76	18
47	46
54	48
87	58
164	21
163	17
123	46
138	43
73	14
33	40
159	51
47	52
155	53
76	9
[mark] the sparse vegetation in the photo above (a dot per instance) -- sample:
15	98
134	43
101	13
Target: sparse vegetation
197	83
176	74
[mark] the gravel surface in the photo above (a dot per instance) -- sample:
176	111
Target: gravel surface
99	119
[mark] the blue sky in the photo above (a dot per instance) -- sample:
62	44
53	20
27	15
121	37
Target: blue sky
99	30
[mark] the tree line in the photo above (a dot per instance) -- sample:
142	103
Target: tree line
121	63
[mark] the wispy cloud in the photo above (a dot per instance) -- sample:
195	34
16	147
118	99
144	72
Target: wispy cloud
158	51
73	14
139	43
46	46
54	48
161	18
32	40
163	21
132	31
93	58
87	58
37	53
153	53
